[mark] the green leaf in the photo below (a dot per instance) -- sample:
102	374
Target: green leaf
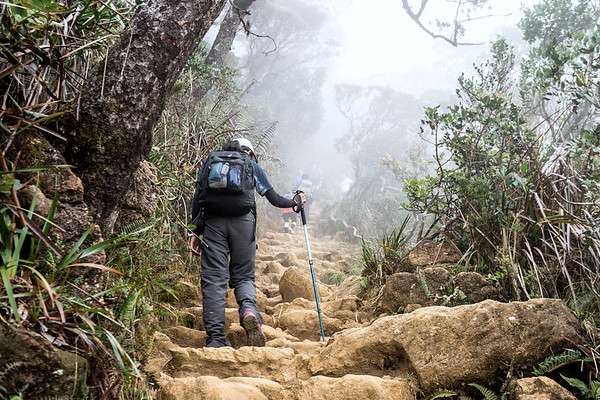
119	353
554	362
74	253
577	384
45	6
442	394
10	293
7	182
127	311
487	393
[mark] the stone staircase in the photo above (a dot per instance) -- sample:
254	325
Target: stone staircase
398	357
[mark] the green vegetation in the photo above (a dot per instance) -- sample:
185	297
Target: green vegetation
383	258
516	190
45	286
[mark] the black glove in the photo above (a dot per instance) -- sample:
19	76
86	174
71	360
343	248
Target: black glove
298	200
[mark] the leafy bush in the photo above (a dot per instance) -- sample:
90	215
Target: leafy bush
515	197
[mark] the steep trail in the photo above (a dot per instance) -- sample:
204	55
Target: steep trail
389	357
281	370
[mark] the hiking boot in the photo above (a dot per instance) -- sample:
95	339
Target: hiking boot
253	329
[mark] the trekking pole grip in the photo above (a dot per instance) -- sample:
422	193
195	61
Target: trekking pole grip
299	207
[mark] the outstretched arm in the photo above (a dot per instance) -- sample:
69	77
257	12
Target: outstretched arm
277	200
264	188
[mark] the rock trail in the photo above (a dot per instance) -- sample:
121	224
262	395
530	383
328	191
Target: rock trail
397	357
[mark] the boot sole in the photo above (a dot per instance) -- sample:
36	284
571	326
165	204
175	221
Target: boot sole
255	336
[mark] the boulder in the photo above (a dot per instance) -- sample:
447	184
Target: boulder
475	287
347	303
189	294
274	267
294	284
276	333
349	287
29	363
539	388
261	300
445	347
30	194
400	289
308	348
422	287
72	214
428	253
237	336
268	319
261	257
190	317
230	299
304	324
287	259
296	304
232	316
437	280
273	301
411	307
332	256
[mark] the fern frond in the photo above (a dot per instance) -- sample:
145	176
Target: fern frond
487	393
554	362
577	384
11	366
137	227
442	394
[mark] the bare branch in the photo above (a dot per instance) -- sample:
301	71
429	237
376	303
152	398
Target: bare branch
457	23
241	12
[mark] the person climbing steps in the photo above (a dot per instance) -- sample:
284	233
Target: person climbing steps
224	214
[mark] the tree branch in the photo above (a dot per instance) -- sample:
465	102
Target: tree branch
241	12
452	40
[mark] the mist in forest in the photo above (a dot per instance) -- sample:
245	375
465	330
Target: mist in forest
347	82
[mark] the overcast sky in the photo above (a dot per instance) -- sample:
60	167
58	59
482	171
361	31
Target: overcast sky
380	45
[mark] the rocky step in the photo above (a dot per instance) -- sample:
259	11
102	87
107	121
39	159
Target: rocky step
441	347
349	387
190	337
280	364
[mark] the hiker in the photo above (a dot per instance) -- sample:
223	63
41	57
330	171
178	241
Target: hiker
224	212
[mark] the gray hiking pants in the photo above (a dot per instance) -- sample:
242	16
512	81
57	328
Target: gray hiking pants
228	257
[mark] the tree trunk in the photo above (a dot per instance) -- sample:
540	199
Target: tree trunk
126	96
222	45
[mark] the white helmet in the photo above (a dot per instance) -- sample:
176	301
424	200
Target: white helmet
245	143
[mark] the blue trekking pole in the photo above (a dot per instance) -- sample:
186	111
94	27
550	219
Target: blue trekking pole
311	263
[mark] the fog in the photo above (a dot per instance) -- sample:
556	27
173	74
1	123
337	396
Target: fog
347	81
